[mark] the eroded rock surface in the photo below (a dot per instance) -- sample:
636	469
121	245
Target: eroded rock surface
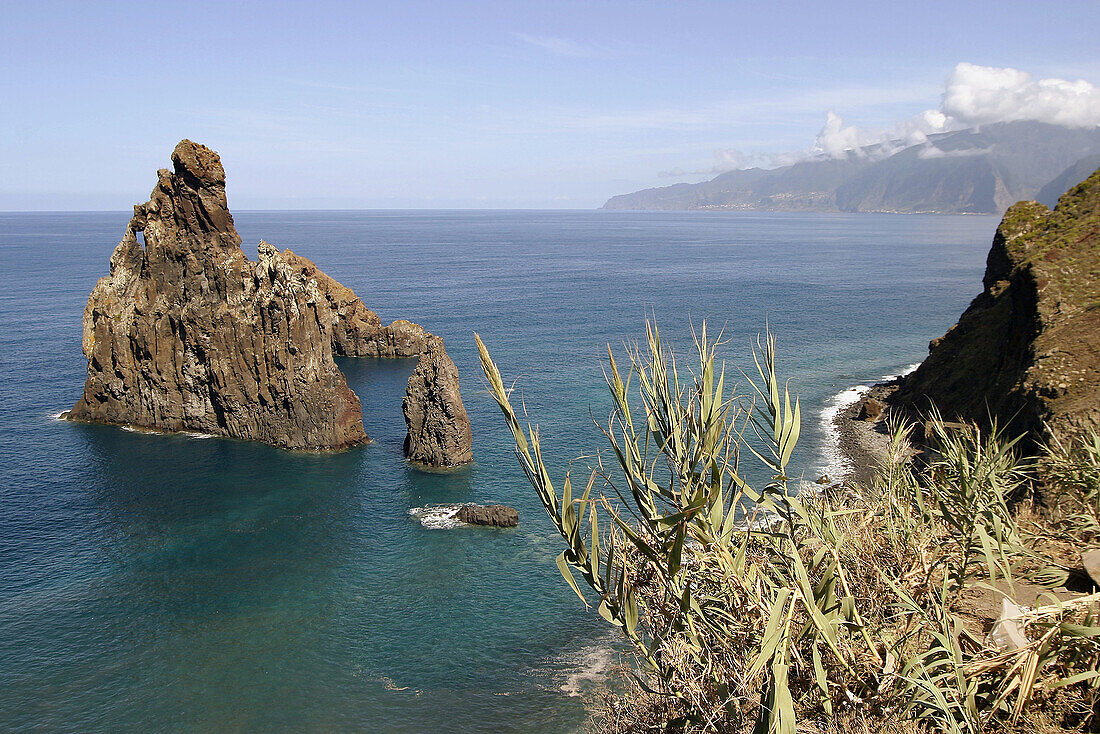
356	330
500	516
188	334
1027	350
438	428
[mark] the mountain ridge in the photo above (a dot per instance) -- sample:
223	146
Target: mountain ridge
977	171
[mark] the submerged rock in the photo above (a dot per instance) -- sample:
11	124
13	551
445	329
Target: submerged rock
500	516
1027	350
188	334
439	432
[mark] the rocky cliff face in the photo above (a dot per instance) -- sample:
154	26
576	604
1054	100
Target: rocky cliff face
356	330
1027	350
188	334
438	428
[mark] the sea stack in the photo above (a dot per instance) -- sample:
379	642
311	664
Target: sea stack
1027	350
439	433
188	334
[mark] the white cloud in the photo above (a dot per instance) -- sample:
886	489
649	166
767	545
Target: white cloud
930	151
837	140
731	159
973	95
977	95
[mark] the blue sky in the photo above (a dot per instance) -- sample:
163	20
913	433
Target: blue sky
478	104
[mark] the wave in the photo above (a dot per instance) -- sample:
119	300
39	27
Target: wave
197	435
438	517
589	667
835	464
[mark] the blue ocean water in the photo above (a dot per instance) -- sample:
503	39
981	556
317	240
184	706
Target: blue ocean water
172	583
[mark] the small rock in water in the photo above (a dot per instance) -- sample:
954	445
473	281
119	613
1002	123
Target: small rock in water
824	479
870	409
499	516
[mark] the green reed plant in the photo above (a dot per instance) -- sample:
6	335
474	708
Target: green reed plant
752	606
1072	465
726	571
957	505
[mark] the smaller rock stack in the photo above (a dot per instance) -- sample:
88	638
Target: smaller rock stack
439	432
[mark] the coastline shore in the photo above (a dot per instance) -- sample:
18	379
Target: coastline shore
862	445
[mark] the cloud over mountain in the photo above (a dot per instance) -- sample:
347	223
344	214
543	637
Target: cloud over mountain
973	95
978	95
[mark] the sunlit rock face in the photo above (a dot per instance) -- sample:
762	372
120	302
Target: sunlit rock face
188	334
439	432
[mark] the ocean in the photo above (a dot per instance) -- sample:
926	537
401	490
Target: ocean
181	583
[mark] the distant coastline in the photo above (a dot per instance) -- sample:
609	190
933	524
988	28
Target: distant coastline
983	170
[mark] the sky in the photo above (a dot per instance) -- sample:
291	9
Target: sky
320	105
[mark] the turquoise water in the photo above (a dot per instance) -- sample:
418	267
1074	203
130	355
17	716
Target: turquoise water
169	583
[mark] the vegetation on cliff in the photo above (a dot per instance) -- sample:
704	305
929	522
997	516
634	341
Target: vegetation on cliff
1027	350
919	602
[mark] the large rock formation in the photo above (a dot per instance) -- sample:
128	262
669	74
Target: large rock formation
1027	350
438	428
188	334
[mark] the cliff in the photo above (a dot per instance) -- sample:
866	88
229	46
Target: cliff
188	334
1027	350
439	432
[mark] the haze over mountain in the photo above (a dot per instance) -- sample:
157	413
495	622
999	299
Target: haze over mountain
982	170
1075	174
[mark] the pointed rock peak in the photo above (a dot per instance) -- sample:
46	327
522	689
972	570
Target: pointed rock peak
187	334
198	165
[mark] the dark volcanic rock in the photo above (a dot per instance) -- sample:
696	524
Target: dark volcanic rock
438	427
188	334
1027	350
500	516
870	409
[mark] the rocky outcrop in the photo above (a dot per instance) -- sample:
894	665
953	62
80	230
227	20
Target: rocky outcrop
1027	350
500	516
356	330
188	334
870	409
438	428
